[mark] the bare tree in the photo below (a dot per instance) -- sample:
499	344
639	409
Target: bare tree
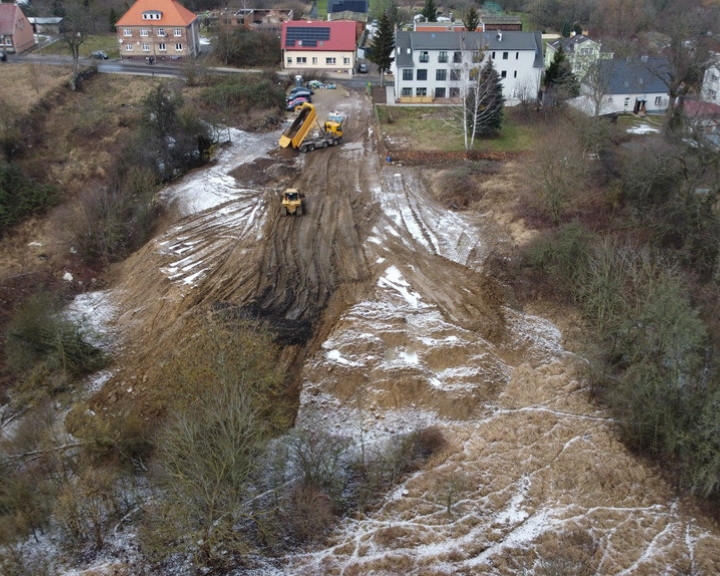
75	27
596	83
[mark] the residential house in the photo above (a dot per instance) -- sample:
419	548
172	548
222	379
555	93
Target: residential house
703	120
437	66
582	52
159	29
710	90
624	86
356	10
16	33
487	22
48	25
319	45
264	19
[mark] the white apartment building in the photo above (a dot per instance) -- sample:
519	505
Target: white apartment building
437	66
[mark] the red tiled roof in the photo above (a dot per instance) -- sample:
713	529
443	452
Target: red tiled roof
699	108
341	38
7	18
173	14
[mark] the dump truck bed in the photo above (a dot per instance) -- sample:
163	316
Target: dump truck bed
299	128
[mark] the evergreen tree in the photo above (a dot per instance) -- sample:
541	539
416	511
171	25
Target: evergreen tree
392	13
486	102
559	79
383	46
430	11
472	19
112	18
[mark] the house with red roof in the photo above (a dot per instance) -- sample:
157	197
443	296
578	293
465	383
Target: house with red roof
319	45
16	33
158	29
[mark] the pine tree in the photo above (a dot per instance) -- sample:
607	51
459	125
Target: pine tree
429	11
383	46
392	13
559	78
486	102
472	19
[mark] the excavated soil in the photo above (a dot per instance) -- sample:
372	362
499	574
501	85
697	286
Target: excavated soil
390	324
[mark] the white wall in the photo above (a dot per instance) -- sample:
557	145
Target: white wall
518	68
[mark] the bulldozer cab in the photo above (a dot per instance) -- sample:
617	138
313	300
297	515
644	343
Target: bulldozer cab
292	202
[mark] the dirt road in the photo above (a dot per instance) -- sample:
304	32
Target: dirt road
394	325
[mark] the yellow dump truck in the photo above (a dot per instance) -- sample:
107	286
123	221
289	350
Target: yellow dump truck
306	134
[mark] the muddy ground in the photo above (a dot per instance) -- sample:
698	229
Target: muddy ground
390	323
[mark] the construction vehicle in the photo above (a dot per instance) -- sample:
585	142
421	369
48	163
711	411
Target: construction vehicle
306	134
292	202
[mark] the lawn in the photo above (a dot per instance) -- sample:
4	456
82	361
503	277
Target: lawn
105	42
434	128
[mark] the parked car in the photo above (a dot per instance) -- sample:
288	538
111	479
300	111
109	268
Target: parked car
362	68
295	103
99	54
297	90
300	94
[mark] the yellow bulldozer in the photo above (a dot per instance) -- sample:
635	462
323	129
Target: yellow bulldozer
292	202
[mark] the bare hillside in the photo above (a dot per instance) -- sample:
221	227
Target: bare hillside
391	324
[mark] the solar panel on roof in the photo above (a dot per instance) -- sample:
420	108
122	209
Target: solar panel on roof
306	35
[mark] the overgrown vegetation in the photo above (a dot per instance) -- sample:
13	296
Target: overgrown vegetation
632	237
20	196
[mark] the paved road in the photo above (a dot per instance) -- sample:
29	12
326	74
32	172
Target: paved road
166	69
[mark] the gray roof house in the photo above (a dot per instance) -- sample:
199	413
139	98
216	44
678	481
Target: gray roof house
617	86
435	67
580	50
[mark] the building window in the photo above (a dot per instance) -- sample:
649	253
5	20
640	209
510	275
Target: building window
346	61
127	32
424	56
146	47
454	75
713	77
441	75
420	91
454	92
129	47
161	32
407	74
406	92
442	57
493	55
143	32
457	57
289	60
505	55
515	74
712	94
503	74
421	75
177	32
627	101
439	92
517	55
329	60
178	47
301	60
314	59
161	47
658	100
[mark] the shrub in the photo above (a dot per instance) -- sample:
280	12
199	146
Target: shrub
40	342
20	196
241	94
